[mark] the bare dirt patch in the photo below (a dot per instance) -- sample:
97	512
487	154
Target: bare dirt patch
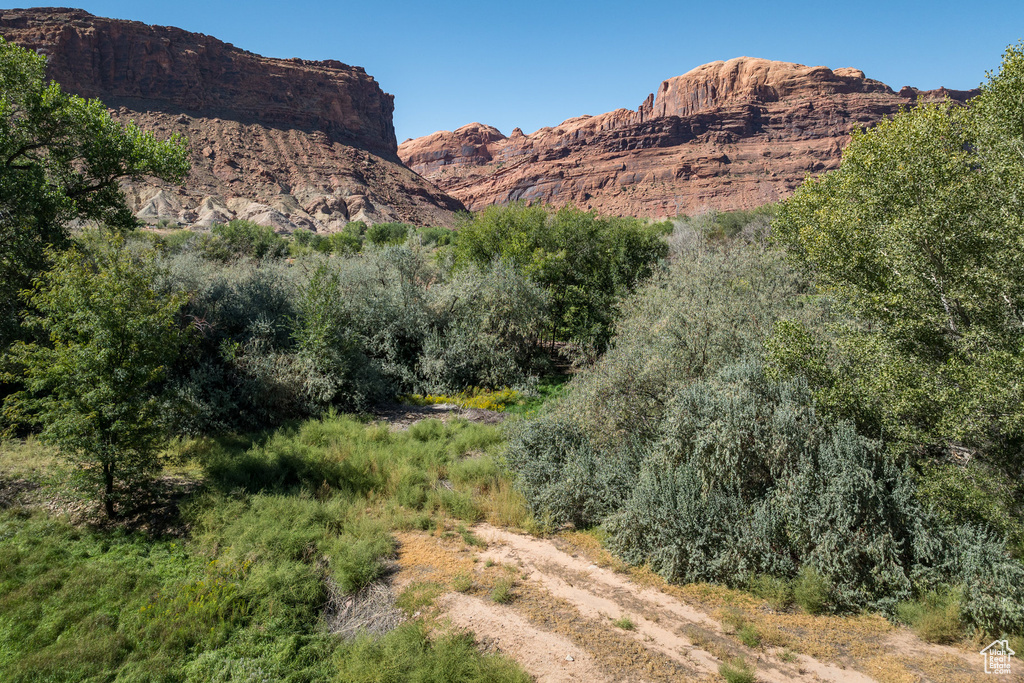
548	657
402	416
569	598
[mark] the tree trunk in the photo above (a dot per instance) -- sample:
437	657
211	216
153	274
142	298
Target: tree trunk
108	490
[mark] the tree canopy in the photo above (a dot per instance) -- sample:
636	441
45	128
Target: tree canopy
920	235
61	159
585	262
95	388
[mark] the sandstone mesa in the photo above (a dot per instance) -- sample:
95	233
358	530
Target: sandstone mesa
288	143
726	135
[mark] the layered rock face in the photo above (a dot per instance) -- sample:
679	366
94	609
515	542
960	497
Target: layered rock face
726	135
290	143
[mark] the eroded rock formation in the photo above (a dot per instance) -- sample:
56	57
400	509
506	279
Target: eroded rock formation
290	143
726	135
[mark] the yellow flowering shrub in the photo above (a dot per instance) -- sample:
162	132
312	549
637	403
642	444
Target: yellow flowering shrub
474	397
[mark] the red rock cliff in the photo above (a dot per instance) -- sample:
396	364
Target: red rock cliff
726	135
293	143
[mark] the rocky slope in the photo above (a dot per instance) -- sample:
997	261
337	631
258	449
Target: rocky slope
291	143
726	135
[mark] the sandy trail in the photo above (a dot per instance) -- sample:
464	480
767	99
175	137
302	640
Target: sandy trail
548	657
560	624
661	623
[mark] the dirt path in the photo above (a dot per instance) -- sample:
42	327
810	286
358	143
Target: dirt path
565	621
548	656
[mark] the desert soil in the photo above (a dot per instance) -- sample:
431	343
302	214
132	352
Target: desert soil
568	593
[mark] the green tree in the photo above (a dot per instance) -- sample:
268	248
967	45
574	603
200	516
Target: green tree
95	387
61	158
920	234
584	261
918	238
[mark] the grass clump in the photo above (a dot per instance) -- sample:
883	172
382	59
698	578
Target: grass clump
749	636
625	623
777	592
418	596
935	617
737	670
409	654
462	582
470	538
811	590
501	592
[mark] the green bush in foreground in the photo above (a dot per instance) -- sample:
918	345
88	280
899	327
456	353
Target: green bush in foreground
97	388
745	480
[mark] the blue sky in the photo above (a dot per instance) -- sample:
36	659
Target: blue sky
532	64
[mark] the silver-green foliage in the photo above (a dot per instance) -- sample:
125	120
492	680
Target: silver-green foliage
715	304
280	341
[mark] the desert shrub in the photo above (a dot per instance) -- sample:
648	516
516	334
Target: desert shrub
423	334
387	233
241	238
712	307
990	577
563	476
279	341
744	479
487	323
235	375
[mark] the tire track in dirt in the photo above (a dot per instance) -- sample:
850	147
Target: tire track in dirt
548	657
663	624
564	605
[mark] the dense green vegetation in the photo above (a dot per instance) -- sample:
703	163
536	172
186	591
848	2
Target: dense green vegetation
287	523
584	263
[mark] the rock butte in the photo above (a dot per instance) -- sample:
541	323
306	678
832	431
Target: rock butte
287	143
726	135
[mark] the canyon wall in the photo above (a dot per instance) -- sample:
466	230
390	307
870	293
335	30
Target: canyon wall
287	142
726	135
